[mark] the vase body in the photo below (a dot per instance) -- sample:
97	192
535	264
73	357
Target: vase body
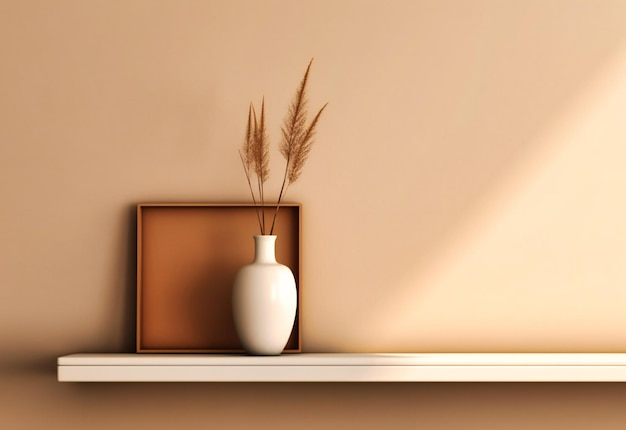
264	301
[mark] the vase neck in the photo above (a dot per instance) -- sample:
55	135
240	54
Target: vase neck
264	249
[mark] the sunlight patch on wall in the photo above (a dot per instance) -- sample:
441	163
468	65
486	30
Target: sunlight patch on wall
542	264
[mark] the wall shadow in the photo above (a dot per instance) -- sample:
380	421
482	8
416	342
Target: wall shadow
128	328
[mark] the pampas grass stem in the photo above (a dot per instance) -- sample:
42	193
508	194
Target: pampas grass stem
295	146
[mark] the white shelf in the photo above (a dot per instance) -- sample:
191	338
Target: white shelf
312	367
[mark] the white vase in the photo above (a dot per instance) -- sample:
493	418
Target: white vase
264	301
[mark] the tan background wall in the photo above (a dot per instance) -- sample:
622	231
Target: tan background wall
466	193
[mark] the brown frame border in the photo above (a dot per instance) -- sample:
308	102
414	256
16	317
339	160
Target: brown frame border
293	346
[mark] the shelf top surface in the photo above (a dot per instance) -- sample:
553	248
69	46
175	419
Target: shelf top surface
348	359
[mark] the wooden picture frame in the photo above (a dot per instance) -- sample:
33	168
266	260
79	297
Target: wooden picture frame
187	258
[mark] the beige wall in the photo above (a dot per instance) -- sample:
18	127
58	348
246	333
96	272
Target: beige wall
466	193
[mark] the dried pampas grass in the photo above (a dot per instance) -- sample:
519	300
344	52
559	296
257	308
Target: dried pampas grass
295	146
